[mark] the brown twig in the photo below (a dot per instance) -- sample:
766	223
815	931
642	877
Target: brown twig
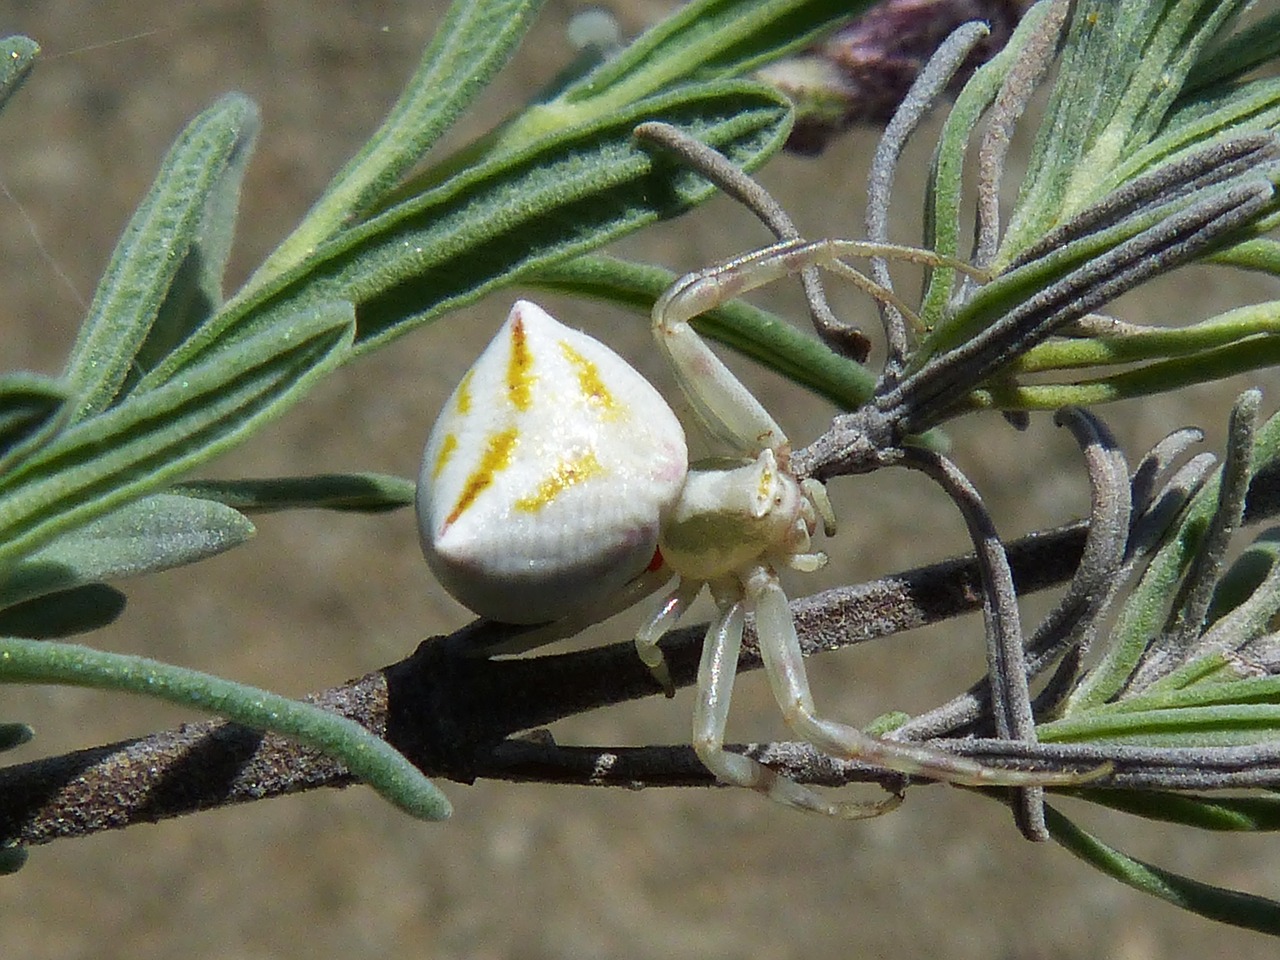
459	717
453	714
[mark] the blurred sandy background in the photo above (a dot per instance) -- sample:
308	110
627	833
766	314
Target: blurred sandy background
522	871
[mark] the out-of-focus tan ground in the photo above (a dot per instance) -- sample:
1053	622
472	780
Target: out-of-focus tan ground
522	871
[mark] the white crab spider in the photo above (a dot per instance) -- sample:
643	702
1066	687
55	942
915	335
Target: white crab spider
556	479
546	475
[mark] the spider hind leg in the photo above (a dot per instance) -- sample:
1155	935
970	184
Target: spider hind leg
716	674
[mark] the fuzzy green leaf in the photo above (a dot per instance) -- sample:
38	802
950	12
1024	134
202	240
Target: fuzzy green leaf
64	613
1147	606
1227	906
355	492
943	207
1121	72
1181	725
32	409
1195	123
568	194
711	38
366	755
195	292
1223	346
1130	345
1255	46
474	41
1066	263
1143	615
148	440
17	57
155	533
1245	575
1257	253
700	41
158	241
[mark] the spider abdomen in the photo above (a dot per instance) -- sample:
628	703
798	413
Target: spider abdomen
546	474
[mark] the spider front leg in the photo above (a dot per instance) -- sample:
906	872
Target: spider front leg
728	410
784	664
724	405
716	672
663	619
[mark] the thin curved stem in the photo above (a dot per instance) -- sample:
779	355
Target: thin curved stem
1006	655
713	165
1090	589
924	92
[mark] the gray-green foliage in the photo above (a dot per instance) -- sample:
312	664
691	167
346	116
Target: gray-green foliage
167	372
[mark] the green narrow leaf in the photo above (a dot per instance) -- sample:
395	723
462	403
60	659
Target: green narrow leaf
708	39
579	193
154	246
17	58
1226	906
474	41
1255	46
64	613
1245	575
1143	614
1012	289
195	292
1132	345
1260	253
946	181
151	438
1245	814
1212	668
367	756
568	194
1196	123
155	533
753	332
14	735
1122	69
357	492
1207	681
32	409
1090	76
1229	725
1162	376
700	41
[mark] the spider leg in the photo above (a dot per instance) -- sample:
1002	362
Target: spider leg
717	168
784	664
716	673
663	619
724	405
522	640
816	490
